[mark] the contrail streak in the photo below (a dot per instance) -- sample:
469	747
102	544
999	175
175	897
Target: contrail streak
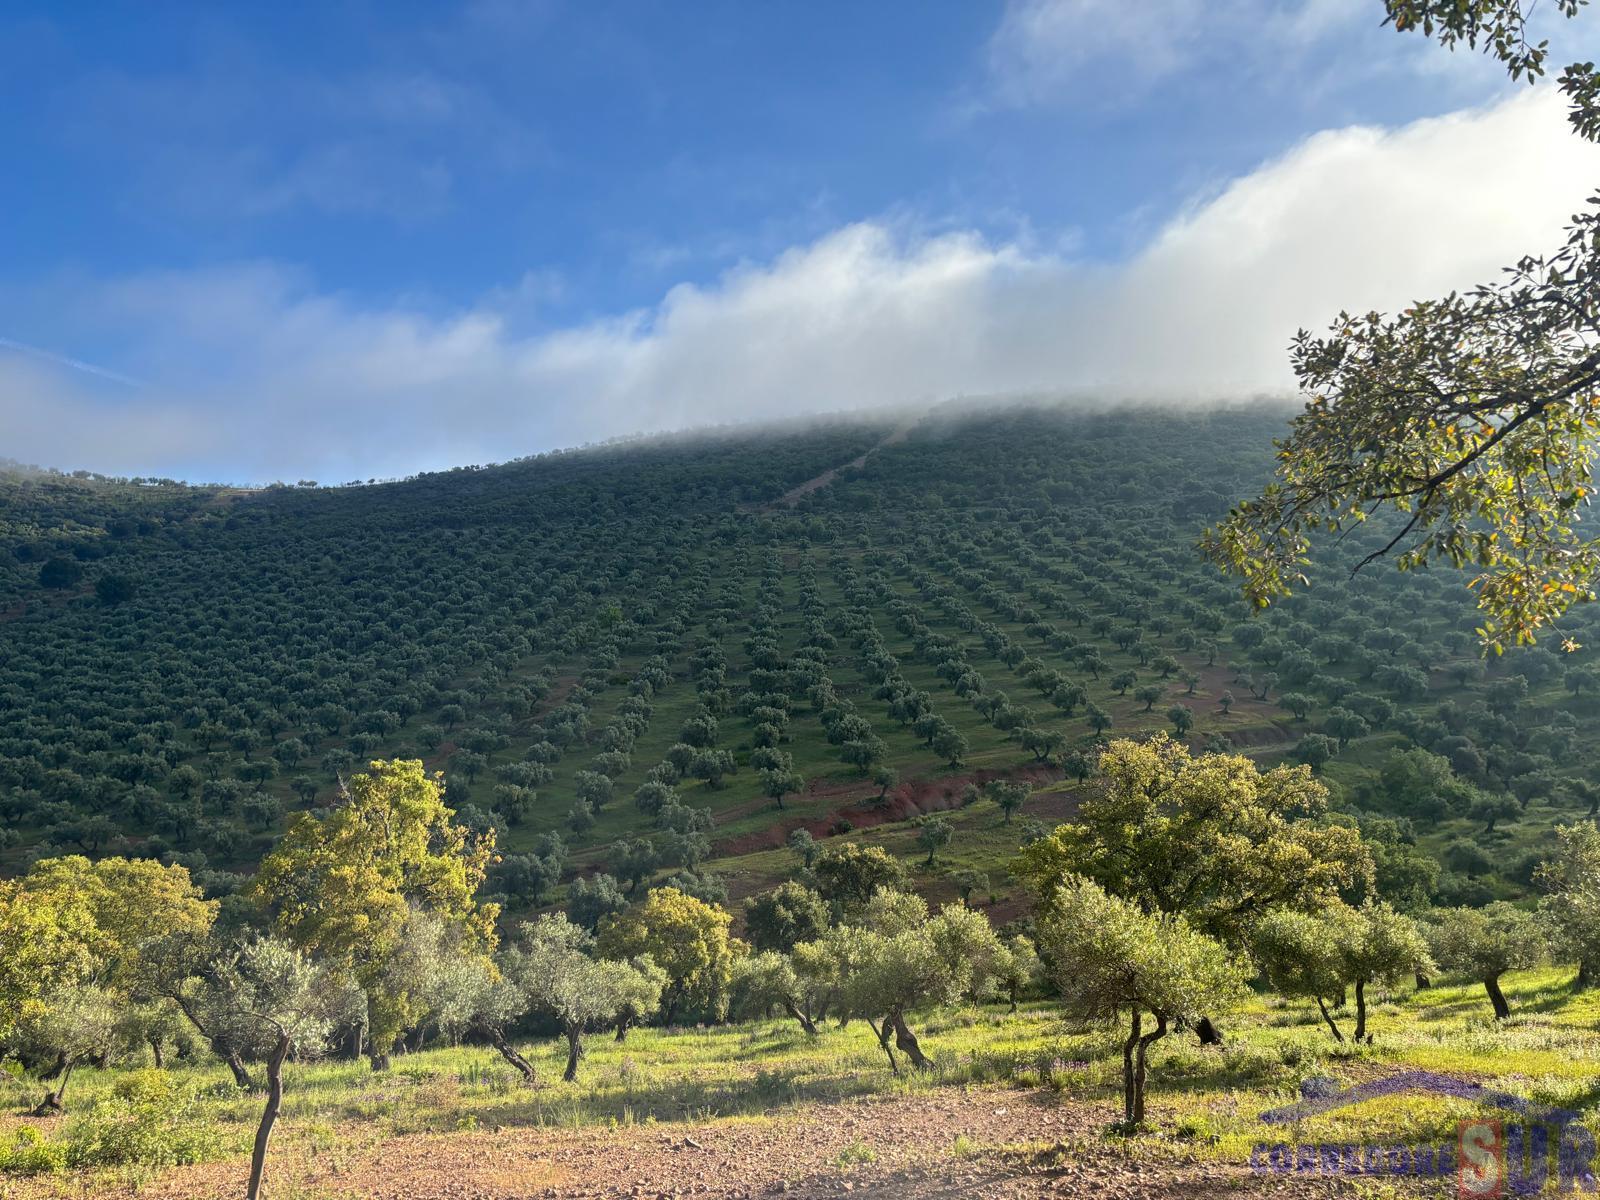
77	364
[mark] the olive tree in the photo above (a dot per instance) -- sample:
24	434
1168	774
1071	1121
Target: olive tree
1571	901
1008	796
1210	837
802	984
1382	946
346	886
552	965
1485	943
900	959
1108	957
1018	969
294	1004
1300	957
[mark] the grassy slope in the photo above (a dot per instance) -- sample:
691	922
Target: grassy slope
1204	1102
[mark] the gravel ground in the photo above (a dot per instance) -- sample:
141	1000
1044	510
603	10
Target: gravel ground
978	1142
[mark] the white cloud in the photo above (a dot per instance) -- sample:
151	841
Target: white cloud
254	373
1109	53
1111	50
1043	46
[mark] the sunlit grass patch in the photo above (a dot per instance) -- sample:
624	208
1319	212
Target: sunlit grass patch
1205	1102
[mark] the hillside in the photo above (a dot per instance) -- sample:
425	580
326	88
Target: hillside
970	598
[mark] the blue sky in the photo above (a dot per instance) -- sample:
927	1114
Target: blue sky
250	242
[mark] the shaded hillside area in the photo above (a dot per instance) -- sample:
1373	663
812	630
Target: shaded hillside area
636	661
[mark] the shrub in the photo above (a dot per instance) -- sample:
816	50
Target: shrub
30	1153
146	1121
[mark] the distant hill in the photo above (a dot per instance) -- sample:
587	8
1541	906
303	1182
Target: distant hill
961	600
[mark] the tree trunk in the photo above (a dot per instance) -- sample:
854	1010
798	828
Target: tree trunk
1585	977
53	1104
55	1070
574	1053
806	1022
1502	1010
378	1058
158	1052
1208	1033
354	1043
622	1028
906	1042
497	1039
1361	1012
241	1075
1140	1054
1132	1102
1422	981
269	1115
882	1034
1326	1016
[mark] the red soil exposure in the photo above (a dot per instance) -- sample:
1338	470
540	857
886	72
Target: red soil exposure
1260	735
975	1143
436	760
901	803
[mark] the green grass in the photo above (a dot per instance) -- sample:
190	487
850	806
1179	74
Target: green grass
1203	1101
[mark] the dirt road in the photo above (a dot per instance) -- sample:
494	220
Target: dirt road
955	1143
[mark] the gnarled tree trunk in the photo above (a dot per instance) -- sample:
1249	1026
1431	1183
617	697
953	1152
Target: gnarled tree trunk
1361	1012
1208	1033
497	1039
1502	1010
1132	1102
882	1034
241	1075
1328	1017
1140	1054
219	1046
54	1102
574	1052
799	1015
907	1043
269	1115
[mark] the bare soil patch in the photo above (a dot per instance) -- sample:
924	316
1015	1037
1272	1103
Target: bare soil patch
975	1142
901	803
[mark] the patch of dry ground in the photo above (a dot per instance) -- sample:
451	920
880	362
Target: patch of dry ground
955	1143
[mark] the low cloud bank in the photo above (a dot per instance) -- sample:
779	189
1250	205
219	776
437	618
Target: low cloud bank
249	372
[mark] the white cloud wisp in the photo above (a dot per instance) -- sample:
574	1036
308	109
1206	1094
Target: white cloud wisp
253	374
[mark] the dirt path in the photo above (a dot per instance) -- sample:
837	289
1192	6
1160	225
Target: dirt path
796	494
956	1143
